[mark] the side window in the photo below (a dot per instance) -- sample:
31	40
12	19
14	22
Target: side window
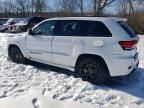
46	28
67	28
127	28
94	29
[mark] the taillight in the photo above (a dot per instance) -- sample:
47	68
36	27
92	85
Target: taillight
128	45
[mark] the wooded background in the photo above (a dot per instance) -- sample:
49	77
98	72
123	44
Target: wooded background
133	10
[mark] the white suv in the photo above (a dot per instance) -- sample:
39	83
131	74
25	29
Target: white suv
96	48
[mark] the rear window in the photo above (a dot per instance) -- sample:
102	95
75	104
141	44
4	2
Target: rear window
127	28
94	29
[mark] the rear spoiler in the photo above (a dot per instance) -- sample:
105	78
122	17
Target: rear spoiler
119	19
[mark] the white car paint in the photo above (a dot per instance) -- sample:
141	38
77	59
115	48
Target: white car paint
64	51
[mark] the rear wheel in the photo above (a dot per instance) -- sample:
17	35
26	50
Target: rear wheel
93	70
16	55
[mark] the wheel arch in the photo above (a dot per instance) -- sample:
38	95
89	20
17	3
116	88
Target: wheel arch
10	46
14	45
93	56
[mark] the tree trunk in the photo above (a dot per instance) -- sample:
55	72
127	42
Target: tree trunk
94	7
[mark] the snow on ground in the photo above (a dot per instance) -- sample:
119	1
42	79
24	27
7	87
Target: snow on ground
17	80
35	99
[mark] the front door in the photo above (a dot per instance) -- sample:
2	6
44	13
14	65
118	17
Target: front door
39	45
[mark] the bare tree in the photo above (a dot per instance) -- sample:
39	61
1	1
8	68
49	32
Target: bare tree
132	14
32	6
123	7
22	6
68	6
100	5
133	11
1	7
40	6
130	6
7	7
81	6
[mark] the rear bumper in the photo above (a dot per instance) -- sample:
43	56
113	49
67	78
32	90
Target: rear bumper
133	69
120	65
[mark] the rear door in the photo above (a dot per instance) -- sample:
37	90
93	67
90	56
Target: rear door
98	38
66	37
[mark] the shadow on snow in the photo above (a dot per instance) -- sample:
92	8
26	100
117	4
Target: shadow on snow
128	84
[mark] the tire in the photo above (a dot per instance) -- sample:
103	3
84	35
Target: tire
16	55
93	70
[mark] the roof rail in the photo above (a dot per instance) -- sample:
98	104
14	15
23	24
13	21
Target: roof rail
85	16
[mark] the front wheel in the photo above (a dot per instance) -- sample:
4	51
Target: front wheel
16	55
93	70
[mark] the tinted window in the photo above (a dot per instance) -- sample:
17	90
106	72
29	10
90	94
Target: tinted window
36	20
94	28
3	21
46	28
67	28
128	29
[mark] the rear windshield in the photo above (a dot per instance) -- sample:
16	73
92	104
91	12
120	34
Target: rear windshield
127	28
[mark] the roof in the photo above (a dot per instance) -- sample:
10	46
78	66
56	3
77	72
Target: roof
119	19
89	18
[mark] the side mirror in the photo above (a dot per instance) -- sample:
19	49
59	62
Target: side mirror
30	32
